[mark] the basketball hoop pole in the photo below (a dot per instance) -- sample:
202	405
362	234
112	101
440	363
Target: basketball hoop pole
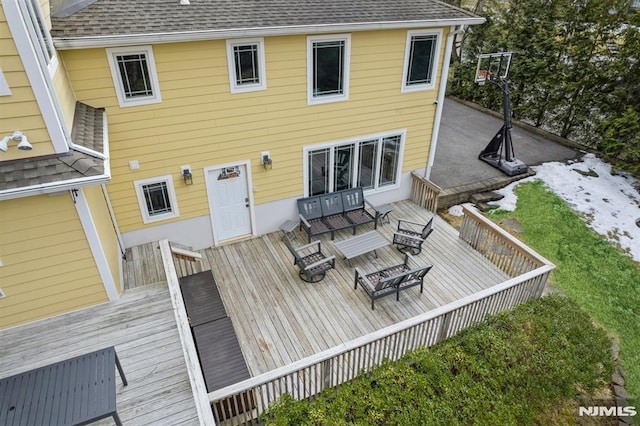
501	142
503	84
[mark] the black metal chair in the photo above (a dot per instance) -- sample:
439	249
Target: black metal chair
313	264
410	235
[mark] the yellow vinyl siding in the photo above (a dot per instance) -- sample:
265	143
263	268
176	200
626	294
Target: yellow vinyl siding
20	110
48	268
200	123
64	93
106	231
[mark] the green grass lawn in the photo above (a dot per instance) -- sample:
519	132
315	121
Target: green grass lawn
515	368
591	271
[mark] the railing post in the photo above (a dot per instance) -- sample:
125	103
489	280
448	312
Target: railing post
444	327
326	374
424	192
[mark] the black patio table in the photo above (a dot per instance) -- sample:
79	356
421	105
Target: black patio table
76	391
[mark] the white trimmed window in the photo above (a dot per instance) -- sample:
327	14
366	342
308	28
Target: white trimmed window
328	60
134	75
372	162
421	60
157	198
245	58
39	32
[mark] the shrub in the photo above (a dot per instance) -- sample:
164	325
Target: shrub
502	371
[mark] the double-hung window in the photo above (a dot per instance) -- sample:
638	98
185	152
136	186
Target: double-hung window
134	75
328	68
371	162
245	58
157	198
420	60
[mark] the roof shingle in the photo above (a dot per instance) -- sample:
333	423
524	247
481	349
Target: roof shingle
87	132
126	17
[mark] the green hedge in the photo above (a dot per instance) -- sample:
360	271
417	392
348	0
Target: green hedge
503	371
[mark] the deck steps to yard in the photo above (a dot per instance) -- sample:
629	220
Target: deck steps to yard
462	194
482	200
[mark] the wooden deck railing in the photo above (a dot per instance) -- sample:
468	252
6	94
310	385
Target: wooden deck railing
503	250
424	192
244	402
188	346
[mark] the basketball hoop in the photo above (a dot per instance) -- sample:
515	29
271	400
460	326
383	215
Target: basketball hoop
492	66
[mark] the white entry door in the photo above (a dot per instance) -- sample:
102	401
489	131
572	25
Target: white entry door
228	189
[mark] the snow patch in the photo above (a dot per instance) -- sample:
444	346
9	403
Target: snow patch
609	203
456	211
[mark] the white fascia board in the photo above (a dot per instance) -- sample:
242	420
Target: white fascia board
63	43
52	187
95	245
4	86
37	74
88	151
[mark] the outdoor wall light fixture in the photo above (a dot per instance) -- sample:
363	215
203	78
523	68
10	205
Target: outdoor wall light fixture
187	177
266	160
21	138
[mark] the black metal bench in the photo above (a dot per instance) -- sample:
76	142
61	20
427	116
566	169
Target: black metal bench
221	357
219	352
76	391
323	214
391	280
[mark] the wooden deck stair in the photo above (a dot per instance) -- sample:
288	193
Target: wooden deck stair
186	261
143	264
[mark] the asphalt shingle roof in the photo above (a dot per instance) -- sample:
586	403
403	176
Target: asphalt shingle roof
127	17
38	171
88	127
87	131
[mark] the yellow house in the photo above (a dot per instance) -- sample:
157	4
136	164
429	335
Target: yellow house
220	115
59	250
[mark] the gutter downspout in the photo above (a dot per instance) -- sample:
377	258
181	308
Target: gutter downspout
114	222
105	193
444	76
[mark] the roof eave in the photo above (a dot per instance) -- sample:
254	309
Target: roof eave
69	184
53	187
64	43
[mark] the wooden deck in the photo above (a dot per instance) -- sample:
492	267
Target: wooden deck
279	319
141	326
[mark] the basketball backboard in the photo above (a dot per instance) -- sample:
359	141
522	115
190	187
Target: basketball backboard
492	66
